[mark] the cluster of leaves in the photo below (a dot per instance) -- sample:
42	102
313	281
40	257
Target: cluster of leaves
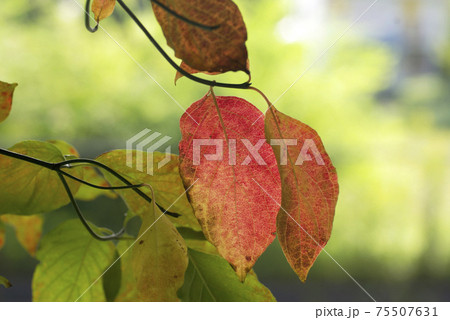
204	224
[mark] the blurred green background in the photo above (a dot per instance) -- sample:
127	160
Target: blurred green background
379	98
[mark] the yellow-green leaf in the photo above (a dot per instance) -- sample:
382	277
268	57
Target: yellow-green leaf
66	149
6	95
102	9
28	230
71	260
166	182
210	278
87	193
28	188
159	258
128	291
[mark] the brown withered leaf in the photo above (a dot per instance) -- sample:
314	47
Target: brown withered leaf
218	49
102	9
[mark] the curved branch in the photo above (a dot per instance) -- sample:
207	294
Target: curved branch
118	176
58	168
97	186
82	218
87	18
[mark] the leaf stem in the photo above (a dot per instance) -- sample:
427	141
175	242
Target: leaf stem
270	104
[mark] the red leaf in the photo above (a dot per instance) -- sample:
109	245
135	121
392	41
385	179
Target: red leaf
218	50
235	214
6	95
309	191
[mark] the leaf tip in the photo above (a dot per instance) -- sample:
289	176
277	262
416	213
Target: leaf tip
5	282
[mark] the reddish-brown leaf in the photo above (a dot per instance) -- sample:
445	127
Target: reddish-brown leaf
309	190
102	9
219	50
28	230
235	214
6	95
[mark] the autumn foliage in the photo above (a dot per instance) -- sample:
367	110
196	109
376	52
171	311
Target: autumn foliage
207	215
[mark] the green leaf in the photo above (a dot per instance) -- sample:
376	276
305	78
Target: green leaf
196	240
27	188
4	282
127	291
112	279
159	258
210	278
166	182
71	260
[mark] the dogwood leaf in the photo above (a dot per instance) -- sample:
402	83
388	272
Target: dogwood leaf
28	230
219	48
209	278
236	216
71	260
28	188
309	190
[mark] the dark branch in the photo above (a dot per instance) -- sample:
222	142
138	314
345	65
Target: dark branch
87	18
83	219
58	168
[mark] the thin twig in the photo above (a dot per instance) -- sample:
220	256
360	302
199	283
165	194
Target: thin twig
66	164
87	18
